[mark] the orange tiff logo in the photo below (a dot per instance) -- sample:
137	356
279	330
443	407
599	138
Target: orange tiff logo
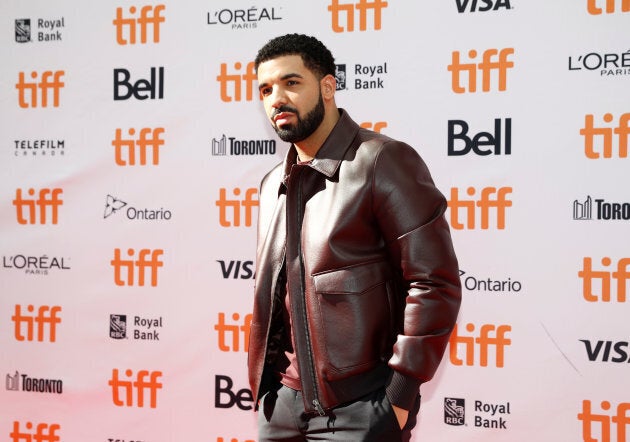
29	326
126	30
362	6
135	149
230	209
25	208
238	331
491	198
619	418
620	275
489	336
123	390
29	91
594	9
237	80
143	261
606	135
43	433
493	60
376	127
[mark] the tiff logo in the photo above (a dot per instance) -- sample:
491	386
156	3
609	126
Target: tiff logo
362	6
141	264
46	198
235	205
491	197
238	331
489	336
43	433
605	134
620	419
594	9
122	390
28	91
134	150
376	127
237	80
490	63
29	327
126	26
621	276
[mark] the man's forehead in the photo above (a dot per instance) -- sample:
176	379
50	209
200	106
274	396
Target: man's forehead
279	66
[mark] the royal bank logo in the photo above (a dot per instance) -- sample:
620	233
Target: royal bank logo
600	209
243	19
454	411
114	205
23	30
118	326
340	76
46	30
232	146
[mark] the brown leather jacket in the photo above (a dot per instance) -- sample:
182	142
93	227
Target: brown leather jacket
372	276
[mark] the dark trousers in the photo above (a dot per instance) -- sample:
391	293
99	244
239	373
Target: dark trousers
281	417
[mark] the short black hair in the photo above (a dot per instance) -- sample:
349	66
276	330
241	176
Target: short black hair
316	57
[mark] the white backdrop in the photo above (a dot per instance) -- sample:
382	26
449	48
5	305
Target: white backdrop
127	225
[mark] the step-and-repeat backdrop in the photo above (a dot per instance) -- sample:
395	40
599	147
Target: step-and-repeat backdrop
132	144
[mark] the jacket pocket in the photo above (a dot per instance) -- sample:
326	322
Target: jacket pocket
355	317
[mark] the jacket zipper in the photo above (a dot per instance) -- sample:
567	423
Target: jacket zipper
311	365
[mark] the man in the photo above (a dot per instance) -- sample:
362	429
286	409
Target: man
357	285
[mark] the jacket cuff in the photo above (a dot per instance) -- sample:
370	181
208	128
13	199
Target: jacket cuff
402	390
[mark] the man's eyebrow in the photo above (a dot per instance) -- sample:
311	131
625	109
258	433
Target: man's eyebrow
283	78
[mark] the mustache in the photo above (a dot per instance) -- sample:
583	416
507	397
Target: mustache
283	108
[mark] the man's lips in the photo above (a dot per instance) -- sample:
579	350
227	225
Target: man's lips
282	117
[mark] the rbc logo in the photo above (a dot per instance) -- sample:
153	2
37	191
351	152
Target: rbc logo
362	6
454	411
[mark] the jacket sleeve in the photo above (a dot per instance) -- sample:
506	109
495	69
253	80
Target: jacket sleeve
410	212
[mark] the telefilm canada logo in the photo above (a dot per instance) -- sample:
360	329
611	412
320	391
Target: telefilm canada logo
486	414
243	19
232	146
39	30
39	148
360	76
599	209
113	205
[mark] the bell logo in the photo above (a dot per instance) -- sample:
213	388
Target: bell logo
487	65
487	201
248	204
134	150
237	80
481	139
489	335
605	421
29	326
28	91
126	26
46	198
42	433
363	6
141	264
141	384
124	90
621	276
594	9
239	333
376	127
606	134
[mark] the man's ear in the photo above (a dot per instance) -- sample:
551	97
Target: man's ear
329	85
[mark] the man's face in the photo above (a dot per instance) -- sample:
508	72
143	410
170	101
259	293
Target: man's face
291	96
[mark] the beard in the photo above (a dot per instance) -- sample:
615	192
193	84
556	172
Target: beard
294	133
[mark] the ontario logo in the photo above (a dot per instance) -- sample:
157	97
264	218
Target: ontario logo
114	204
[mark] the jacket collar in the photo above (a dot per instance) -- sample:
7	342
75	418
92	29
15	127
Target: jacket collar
328	158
